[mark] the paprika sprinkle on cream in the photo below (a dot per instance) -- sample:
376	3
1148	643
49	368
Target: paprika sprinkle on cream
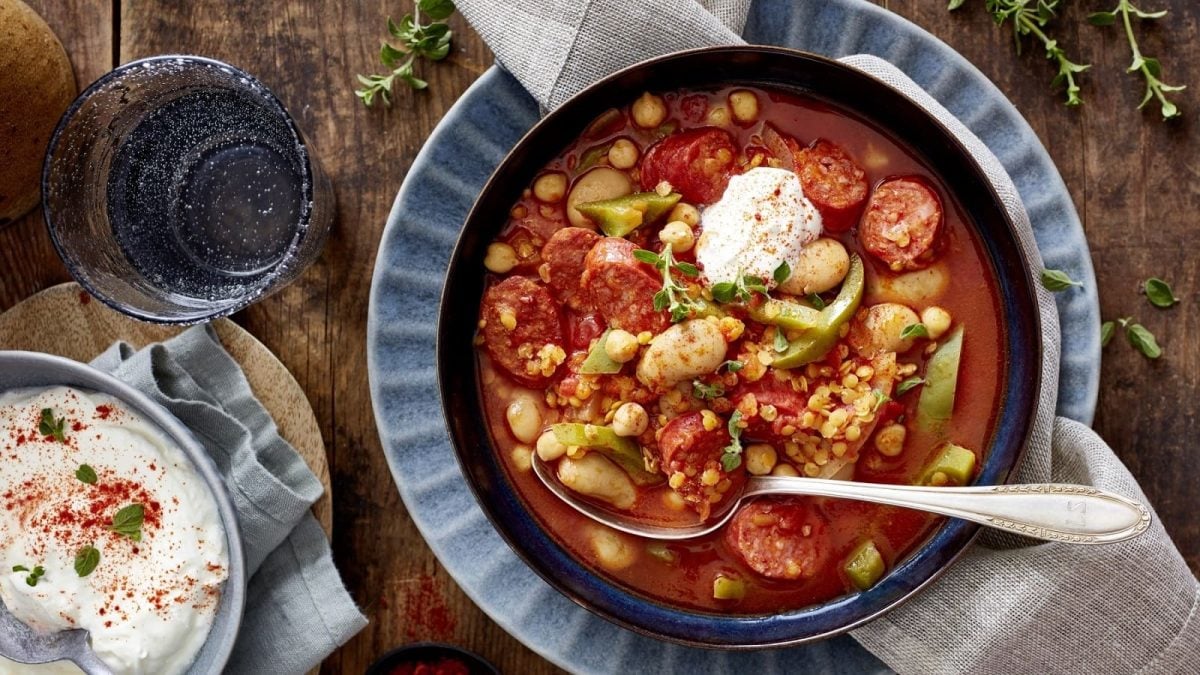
125	532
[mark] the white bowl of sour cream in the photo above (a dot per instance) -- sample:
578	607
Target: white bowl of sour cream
113	519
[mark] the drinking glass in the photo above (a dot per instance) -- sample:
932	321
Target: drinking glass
177	189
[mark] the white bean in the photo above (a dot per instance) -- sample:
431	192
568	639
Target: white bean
549	448
613	550
600	183
522	457
916	289
822	265
595	476
681	352
877	330
524	418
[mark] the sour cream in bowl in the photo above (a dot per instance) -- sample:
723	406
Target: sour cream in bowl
761	221
112	520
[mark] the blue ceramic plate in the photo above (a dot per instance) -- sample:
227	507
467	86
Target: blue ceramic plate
423	226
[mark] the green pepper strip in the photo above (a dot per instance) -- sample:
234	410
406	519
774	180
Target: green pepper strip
598	362
941	379
619	216
817	341
786	314
865	566
624	451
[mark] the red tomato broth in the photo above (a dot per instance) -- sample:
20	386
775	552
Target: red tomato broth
687	581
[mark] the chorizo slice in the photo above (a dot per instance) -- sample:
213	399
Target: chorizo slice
523	330
622	288
691	459
779	538
833	182
902	223
564	254
697	163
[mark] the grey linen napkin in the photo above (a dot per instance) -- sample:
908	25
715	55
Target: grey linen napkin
297	609
1009	605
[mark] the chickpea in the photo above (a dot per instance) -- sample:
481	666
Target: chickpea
630	420
686	213
760	459
522	457
623	154
678	235
936	320
785	470
718	116
549	448
550	187
890	440
745	106
501	258
524	419
649	111
621	346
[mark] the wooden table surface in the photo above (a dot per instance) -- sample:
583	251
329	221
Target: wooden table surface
1134	181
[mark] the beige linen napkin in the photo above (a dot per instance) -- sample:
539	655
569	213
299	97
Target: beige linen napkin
1008	606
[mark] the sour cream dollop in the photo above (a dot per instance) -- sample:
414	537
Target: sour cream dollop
150	600
761	221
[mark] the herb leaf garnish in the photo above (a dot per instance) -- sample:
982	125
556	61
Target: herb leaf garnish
1056	281
732	366
743	289
86	474
732	457
673	297
417	40
86	560
128	521
51	427
815	300
909	384
1150	68
35	575
782	272
781	341
1106	332
702	390
914	330
1159	293
1143	340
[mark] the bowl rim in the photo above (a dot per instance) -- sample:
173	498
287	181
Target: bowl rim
948	541
234	590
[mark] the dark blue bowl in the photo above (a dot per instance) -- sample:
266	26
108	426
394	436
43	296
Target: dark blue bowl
773	68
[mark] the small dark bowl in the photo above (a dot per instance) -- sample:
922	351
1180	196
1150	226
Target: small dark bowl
772	68
431	652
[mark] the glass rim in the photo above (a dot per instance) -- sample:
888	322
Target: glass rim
307	190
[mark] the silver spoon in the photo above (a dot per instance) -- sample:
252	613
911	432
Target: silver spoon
1075	514
20	643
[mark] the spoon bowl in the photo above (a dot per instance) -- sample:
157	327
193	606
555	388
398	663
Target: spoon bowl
1076	514
23	644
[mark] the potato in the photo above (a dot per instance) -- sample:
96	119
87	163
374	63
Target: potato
822	265
600	183
613	550
876	329
595	476
682	352
916	289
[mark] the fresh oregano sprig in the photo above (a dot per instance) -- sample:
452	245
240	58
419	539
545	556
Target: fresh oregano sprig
1149	67
1029	18
731	456
416	41
673	297
1137	334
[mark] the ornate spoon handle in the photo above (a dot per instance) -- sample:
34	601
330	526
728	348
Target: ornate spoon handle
1076	514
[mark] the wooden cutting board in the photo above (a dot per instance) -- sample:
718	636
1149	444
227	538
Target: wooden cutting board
66	321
